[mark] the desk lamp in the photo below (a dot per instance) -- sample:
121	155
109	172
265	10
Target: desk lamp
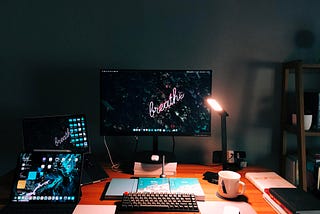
217	108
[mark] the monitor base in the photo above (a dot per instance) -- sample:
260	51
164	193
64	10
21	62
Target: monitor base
154	157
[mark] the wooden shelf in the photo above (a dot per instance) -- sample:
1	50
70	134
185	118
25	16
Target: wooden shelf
299	63
293	129
297	68
315	67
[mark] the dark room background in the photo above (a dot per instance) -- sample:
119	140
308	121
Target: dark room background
51	53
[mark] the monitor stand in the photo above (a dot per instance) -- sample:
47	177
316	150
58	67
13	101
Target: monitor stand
151	157
154	156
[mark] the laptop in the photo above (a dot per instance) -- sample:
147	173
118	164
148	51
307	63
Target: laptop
46	182
66	133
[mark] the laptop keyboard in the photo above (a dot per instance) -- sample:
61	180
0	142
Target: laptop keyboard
158	202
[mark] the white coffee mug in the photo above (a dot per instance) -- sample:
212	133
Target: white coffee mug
229	184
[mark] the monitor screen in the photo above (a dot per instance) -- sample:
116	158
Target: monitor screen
56	133
155	102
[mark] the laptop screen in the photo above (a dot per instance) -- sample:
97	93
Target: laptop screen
55	133
47	177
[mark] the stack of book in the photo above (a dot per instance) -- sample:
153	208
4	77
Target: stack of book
313	176
151	164
266	180
283	196
153	169
292	169
313	168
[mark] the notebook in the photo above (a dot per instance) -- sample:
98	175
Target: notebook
46	182
296	200
266	180
63	133
117	186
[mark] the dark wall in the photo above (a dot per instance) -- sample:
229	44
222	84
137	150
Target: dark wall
51	52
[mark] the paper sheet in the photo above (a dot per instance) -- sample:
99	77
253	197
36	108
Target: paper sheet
96	209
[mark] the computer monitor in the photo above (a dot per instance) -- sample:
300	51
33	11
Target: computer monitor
155	103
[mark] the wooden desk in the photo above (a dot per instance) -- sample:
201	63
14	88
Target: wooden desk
91	193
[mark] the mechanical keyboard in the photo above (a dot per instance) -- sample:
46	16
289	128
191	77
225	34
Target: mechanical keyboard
169	202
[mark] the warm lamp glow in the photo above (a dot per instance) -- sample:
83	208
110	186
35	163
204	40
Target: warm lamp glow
216	107
214	104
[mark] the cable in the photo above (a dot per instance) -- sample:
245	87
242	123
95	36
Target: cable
114	166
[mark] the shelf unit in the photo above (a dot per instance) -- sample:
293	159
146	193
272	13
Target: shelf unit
298	68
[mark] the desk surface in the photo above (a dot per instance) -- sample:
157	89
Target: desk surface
91	193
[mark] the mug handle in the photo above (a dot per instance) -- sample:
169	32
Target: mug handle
243	188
